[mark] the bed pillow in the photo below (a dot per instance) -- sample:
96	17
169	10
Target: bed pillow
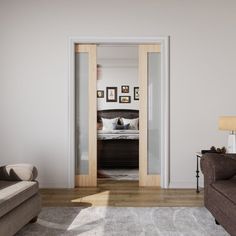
133	123
120	127
109	124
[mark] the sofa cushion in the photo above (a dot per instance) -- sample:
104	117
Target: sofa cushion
13	193
16	172
227	188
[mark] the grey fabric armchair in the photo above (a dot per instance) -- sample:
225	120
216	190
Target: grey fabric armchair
220	188
20	202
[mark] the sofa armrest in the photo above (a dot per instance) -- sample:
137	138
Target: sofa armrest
17	172
217	167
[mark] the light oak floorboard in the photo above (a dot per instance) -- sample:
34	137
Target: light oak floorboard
121	194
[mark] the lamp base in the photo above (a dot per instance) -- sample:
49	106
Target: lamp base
231	143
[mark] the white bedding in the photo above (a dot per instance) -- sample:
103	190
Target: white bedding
117	134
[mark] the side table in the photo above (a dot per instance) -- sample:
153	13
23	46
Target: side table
199	156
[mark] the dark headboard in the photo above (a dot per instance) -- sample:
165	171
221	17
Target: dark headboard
113	113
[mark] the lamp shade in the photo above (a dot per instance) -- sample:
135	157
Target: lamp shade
227	123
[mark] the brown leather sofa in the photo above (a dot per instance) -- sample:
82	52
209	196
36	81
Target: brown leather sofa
20	202
220	188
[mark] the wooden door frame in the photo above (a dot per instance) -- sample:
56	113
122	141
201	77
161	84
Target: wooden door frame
145	179
165	106
90	179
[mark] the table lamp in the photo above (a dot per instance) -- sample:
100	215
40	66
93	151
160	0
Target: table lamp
229	123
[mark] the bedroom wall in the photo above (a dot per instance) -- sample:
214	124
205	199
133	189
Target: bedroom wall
34	74
116	77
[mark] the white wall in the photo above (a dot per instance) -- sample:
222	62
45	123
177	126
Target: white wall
116	77
34	74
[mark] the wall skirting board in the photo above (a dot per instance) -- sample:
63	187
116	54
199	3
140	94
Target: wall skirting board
172	185
52	184
185	185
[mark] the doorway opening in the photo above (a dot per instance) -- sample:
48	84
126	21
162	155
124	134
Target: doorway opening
117	112
153	112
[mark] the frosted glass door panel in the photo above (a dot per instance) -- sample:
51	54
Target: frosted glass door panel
81	110
149	115
154	113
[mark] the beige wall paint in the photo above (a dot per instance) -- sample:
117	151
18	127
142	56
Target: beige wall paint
34	74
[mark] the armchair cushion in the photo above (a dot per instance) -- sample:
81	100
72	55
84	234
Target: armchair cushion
227	188
18	172
13	193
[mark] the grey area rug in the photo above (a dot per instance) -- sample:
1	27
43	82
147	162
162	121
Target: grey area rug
122	221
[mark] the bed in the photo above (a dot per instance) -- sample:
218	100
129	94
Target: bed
117	148
118	134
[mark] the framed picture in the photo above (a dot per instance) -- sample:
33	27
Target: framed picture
111	94
124	99
100	94
136	93
125	89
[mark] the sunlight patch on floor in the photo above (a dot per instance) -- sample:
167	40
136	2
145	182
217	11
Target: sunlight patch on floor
103	196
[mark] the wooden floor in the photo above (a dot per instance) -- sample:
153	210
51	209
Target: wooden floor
121	194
